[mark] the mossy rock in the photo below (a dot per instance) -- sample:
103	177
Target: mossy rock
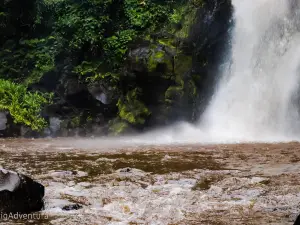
160	60
131	109
188	17
154	58
168	43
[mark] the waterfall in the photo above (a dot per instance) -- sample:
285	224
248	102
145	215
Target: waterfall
256	98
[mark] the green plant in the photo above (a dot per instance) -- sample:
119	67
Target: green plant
116	46
28	61
93	71
23	106
91	38
176	16
143	14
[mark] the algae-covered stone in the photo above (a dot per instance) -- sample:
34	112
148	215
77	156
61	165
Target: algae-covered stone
151	58
160	61
131	109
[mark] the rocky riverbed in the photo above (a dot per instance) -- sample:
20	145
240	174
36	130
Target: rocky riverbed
166	184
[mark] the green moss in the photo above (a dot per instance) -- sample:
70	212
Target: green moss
187	13
131	109
154	59
167	42
152	65
159	57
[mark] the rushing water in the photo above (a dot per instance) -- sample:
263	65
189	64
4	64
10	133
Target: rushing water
189	184
255	99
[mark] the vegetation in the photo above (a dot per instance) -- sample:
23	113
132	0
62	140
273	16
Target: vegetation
93	39
22	105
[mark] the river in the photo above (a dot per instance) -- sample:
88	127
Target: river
162	184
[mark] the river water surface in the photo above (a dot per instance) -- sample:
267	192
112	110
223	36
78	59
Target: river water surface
164	184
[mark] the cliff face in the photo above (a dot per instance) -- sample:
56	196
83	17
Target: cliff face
112	67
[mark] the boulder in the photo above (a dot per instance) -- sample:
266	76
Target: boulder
104	93
19	193
154	58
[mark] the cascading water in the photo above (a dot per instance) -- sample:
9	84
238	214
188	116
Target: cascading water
254	100
256	96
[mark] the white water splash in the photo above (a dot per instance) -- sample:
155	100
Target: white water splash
254	99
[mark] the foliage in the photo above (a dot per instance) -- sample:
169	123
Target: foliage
117	46
143	13
92	39
28	61
99	30
23	106
176	16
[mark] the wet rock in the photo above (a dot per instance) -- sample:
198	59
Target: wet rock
103	93
11	129
27	132
209	40
19	193
72	86
74	94
138	58
3	120
71	207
